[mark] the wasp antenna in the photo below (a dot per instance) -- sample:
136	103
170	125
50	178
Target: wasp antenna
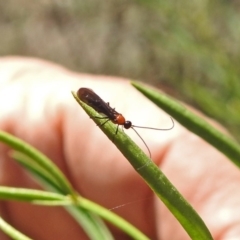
142	141
161	129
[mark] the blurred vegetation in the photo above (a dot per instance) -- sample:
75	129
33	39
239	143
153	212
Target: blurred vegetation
190	48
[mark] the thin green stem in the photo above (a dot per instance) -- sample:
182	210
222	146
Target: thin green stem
11	231
91	210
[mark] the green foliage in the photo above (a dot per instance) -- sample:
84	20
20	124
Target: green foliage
85	212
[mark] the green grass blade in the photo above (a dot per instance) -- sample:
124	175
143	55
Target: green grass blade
91	223
112	218
38	157
94	227
97	230
11	231
192	122
38	172
52	178
29	195
157	181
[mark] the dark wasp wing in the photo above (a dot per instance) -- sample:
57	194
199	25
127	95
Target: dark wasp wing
89	97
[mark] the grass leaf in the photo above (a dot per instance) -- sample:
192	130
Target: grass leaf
154	177
192	122
11	231
39	158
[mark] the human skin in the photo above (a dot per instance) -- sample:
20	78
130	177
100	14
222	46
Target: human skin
36	105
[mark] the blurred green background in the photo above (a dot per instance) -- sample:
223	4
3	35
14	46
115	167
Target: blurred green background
189	48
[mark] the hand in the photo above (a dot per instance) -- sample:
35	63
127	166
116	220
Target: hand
36	105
